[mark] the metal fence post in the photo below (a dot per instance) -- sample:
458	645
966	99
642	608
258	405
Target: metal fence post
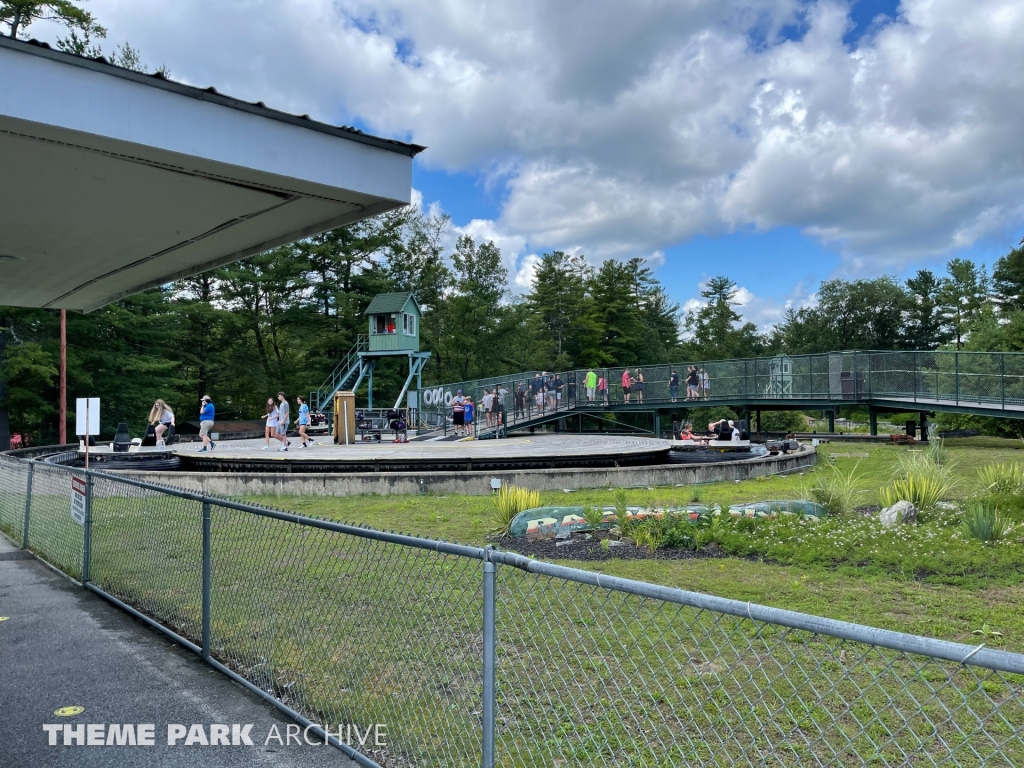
207	578
28	505
87	537
489	654
1002	380
956	375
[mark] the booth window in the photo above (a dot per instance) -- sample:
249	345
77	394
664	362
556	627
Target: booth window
409	324
384	324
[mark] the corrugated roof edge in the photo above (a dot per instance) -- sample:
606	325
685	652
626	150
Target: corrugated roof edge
37	48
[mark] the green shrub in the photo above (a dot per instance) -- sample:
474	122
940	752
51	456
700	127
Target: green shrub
652	532
594	516
783	421
509	501
622	518
835	490
1002	478
984	523
924	490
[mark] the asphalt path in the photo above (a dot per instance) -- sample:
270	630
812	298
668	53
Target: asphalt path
62	646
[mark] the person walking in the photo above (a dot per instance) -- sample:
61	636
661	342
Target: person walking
270	431
520	401
705	384
206	416
590	384
627	384
162	419
673	386
303	421
558	386
282	421
602	389
638	385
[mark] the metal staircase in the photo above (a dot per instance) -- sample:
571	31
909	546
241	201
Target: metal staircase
347	370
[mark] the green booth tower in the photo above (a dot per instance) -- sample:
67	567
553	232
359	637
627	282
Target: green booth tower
394	331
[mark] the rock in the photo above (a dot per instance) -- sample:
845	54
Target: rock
612	543
565	543
949	506
900	512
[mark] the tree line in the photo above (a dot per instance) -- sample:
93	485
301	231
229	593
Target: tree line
284	319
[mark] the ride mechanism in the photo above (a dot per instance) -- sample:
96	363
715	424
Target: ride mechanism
393	331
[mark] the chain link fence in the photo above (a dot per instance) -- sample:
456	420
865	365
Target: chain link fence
473	657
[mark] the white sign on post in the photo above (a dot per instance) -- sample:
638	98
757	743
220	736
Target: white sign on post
78	500
87	416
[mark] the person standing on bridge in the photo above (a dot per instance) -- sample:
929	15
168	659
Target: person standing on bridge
590	384
602	389
467	416
638	385
692	383
520	401
206	416
705	384
627	385
536	388
673	386
558	386
488	402
458	412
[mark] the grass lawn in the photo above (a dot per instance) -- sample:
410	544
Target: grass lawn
902	587
351	630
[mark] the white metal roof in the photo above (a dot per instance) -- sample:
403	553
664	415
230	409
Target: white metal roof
113	181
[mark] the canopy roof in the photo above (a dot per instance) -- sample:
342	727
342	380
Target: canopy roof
384	303
112	181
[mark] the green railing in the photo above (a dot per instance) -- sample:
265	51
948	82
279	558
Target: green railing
979	382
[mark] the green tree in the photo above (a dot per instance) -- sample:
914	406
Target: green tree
716	329
924	328
963	293
18	15
1008	280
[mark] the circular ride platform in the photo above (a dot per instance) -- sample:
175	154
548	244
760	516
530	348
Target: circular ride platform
557	451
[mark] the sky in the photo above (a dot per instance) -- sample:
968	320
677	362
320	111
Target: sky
778	142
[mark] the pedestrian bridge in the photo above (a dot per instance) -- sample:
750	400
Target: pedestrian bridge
974	383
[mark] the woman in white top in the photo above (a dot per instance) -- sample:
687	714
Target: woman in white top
271	417
163	417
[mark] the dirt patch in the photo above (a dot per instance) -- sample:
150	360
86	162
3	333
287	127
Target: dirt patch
590	550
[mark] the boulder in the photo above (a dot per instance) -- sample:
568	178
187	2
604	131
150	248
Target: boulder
900	512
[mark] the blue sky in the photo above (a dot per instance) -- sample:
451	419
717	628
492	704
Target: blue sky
779	142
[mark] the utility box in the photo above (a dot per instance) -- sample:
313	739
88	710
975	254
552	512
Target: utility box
394	323
344	418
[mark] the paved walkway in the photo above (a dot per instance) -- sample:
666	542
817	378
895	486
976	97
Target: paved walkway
62	646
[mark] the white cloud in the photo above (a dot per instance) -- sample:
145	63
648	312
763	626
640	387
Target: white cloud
624	129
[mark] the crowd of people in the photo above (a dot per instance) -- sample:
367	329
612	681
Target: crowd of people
545	392
277	417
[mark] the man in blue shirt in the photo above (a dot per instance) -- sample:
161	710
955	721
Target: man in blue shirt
206	414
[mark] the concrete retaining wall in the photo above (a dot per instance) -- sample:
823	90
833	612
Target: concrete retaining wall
237	484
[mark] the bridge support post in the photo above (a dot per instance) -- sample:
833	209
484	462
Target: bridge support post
924	426
757	415
873	422
831	421
657	424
